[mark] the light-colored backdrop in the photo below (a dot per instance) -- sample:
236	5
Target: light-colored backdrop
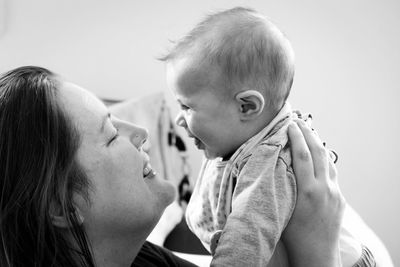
348	63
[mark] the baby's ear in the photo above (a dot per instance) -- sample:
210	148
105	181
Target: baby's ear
251	104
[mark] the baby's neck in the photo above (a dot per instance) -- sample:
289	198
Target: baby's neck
262	121
251	128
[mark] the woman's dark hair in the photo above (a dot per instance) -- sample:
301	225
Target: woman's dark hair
38	174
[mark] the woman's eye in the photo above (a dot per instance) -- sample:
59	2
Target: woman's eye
115	136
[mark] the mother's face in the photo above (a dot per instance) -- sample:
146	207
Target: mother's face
124	199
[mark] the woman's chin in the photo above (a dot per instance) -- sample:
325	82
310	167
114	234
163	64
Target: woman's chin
170	192
162	189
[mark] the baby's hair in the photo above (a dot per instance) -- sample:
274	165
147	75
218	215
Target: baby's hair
249	50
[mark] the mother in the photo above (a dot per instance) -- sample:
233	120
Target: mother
76	189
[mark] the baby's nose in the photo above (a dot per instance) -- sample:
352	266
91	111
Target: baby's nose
180	120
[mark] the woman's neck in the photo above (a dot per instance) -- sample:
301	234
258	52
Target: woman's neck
117	251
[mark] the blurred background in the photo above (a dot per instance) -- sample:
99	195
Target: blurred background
347	69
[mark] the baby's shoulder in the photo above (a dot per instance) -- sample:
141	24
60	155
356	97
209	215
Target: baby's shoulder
267	155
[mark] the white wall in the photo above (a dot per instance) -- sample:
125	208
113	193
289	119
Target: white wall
347	71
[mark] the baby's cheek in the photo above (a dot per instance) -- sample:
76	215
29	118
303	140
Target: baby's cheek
196	127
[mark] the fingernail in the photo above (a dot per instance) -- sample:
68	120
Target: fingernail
336	156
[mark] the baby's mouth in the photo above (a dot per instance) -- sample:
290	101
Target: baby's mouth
198	144
197	141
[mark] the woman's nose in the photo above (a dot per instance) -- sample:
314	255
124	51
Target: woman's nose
180	120
138	135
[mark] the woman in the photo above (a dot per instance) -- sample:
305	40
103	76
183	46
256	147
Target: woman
76	189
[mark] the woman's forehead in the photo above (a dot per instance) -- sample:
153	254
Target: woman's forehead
84	108
78	96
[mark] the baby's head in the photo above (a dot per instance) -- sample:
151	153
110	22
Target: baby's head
231	75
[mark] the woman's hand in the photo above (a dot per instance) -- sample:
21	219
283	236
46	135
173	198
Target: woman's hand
312	235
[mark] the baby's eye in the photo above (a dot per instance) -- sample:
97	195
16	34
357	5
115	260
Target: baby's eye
184	107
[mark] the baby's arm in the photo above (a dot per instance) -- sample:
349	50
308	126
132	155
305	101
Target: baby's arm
312	235
262	204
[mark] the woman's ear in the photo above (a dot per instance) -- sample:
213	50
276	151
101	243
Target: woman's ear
61	221
251	104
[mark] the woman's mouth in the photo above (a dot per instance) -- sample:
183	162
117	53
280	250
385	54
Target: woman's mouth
148	171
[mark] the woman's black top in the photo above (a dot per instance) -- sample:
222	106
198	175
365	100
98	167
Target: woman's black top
151	255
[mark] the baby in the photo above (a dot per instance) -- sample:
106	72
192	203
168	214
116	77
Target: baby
231	76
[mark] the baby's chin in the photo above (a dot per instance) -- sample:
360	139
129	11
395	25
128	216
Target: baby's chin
209	154
212	155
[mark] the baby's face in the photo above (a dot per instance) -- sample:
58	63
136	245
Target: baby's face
209	118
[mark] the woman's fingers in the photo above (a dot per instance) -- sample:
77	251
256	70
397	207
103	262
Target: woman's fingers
313	230
319	153
332	170
324	168
302	161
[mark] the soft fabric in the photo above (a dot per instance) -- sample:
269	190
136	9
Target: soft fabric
362	232
240	207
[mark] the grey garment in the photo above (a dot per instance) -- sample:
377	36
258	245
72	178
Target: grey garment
262	203
241	221
243	226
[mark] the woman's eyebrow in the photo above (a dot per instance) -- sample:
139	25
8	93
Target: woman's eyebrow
104	121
